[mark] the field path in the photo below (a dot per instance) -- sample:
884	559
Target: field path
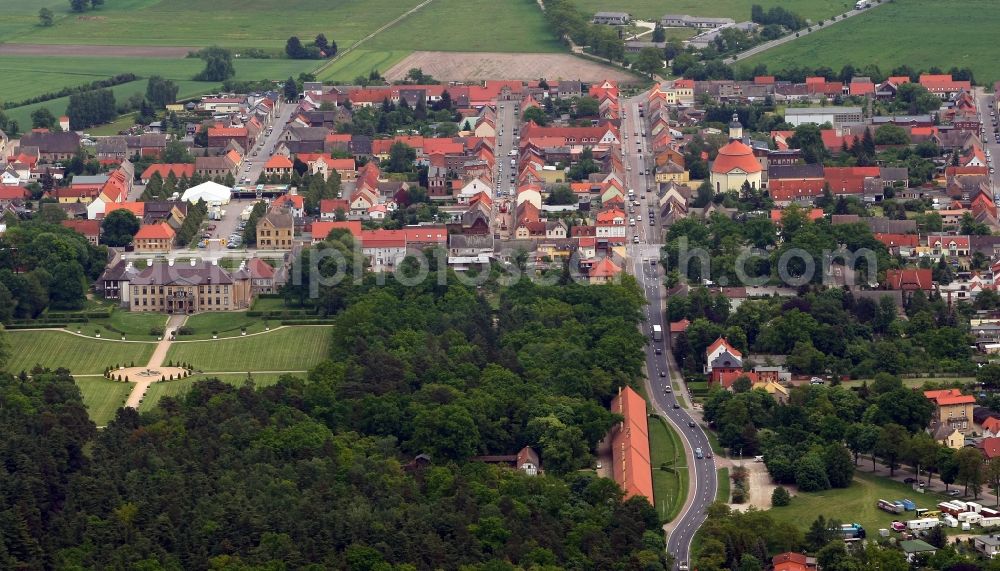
341	54
155	362
71	50
795	35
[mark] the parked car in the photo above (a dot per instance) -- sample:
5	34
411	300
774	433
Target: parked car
909	480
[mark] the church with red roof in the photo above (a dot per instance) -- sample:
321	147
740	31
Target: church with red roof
735	164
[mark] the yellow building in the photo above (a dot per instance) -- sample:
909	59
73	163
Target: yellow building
189	289
735	164
672	172
951	409
275	231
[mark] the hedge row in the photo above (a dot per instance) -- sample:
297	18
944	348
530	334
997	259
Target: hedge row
307	322
13	326
78	314
277	314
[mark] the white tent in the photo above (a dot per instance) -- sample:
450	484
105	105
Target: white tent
210	192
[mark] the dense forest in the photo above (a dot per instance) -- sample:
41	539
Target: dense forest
316	472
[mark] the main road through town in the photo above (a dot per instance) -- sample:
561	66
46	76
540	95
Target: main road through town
664	397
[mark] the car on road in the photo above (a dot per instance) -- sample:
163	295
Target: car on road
663	373
676	405
954	493
667	389
909	480
658	350
698	453
692	424
598	465
635	239
682	566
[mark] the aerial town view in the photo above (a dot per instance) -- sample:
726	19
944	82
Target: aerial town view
596	285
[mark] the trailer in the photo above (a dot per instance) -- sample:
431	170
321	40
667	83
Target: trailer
925	523
921	512
950	508
908	504
974	507
970	517
950	521
988	522
989	512
964	506
891	507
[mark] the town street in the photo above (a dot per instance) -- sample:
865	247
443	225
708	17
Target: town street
703	482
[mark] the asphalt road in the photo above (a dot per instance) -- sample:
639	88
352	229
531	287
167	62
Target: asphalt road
504	189
986	104
702	475
265	146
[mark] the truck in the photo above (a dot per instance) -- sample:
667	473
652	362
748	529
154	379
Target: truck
657	333
851	531
891	507
861	4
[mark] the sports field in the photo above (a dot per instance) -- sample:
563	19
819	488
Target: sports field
102	398
81	355
295	348
738	10
918	33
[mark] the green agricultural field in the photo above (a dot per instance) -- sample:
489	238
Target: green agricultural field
738	10
231	23
669	487
32	76
103	398
295	348
854	504
180	388
458	25
82	356
361	62
21	18
929	33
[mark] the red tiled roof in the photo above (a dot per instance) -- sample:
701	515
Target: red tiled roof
85	227
721	342
258	268
897	240
849	180
155	232
992	424
602	269
736	155
13	192
631	466
227	131
909	279
679	326
320	230
990	447
789	189
383	239
426	234
278	162
960	242
331	205
137	208
296	200
179	170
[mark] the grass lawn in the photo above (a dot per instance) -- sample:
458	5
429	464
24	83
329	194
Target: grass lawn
122	123
958	39
912	383
269	304
722	494
361	62
181	387
459	25
103	398
739	10
136	325
227	323
669	488
230	23
80	355
296	348
854	504
22	17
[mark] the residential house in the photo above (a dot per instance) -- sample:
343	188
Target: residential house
915	548
909	280
278	165
179	170
612	18
988	545
952	408
603	272
792	561
275	230
52	147
383	249
261	276
154	238
723	362
89	229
